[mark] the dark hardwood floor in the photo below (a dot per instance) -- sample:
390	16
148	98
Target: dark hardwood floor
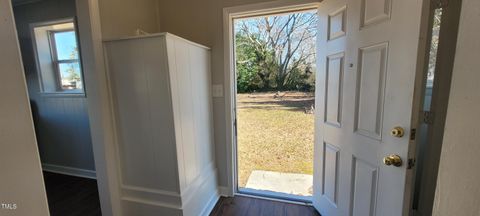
246	206
75	196
71	196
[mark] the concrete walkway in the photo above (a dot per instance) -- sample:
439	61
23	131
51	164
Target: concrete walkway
290	183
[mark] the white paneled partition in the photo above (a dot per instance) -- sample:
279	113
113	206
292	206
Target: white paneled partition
160	86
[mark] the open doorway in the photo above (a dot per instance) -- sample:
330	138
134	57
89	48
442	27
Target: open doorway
52	59
275	83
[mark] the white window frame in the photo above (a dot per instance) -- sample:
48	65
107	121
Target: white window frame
59	91
56	62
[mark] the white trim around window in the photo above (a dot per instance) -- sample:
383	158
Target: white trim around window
46	59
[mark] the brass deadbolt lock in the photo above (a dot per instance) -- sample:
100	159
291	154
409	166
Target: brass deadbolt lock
392	159
397	132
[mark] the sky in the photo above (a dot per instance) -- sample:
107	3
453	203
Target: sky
66	43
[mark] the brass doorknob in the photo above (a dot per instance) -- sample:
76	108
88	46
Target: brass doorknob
392	159
397	132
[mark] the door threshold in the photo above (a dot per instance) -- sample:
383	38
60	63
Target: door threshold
274	196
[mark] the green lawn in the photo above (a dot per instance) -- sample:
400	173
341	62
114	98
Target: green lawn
275	133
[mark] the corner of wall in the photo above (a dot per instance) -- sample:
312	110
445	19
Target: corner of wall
157	14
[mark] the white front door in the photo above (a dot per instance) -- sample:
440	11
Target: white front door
367	61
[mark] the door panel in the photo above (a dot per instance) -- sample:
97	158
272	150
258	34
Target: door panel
330	175
374	11
367	60
364	187
370	90
333	89
329	186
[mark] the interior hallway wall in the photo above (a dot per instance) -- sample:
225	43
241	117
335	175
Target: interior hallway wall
198	21
120	18
458	188
61	122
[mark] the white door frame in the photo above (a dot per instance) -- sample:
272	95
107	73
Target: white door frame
229	14
100	110
439	102
99	105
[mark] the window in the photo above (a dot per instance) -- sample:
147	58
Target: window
58	58
66	59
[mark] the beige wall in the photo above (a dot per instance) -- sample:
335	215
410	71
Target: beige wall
199	21
122	17
202	22
458	184
21	180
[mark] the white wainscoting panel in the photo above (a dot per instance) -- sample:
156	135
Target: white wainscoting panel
161	92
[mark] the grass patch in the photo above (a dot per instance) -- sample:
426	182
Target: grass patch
275	133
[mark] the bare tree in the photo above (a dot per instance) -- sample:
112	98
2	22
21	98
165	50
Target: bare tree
291	38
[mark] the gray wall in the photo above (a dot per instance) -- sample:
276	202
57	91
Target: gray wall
61	123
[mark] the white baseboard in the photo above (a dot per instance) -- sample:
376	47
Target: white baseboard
223	191
69	171
211	204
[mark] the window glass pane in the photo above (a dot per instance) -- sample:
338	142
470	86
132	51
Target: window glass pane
66	45
70	76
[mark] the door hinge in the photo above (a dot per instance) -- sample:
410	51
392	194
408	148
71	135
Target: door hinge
413	133
411	163
428	117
